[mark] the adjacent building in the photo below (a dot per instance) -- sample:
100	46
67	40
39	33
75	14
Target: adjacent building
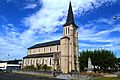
62	54
10	65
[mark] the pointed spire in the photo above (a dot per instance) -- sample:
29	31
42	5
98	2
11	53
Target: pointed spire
70	17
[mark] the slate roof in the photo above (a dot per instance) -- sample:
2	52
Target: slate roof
70	17
65	37
51	43
40	55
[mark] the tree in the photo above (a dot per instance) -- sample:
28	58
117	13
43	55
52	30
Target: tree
118	63
100	57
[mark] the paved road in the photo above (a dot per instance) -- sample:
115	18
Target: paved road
15	76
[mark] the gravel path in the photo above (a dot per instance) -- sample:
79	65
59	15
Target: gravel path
15	76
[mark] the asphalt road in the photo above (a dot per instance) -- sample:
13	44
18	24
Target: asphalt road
15	76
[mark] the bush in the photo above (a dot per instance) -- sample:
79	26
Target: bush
44	67
49	68
32	67
26	67
38	67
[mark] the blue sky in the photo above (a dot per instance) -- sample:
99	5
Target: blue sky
24	23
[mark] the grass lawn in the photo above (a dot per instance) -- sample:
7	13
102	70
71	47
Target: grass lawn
106	78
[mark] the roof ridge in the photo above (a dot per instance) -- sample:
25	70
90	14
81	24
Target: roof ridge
50	43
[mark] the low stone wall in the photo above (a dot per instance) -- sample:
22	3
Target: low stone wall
72	75
38	72
78	76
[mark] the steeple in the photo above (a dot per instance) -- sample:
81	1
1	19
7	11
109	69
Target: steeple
70	17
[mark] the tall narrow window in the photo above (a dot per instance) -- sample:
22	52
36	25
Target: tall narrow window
39	50
68	30
50	49
44	49
64	31
57	61
50	61
57	48
43	62
34	51
39	61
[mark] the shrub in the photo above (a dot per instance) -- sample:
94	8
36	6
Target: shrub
31	67
44	67
38	67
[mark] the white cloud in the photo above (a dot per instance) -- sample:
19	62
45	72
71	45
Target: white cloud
45	22
90	34
10	43
30	6
109	21
47	18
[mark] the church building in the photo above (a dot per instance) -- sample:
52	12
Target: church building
62	54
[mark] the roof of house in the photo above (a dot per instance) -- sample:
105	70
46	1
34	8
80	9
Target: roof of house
70	17
51	43
11	61
41	55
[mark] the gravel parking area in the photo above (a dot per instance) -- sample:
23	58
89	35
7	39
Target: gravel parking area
16	76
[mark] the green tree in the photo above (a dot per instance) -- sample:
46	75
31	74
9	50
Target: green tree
118	63
100	57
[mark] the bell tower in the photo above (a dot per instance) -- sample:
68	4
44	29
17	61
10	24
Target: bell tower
69	43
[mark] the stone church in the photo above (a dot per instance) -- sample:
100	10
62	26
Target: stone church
60	54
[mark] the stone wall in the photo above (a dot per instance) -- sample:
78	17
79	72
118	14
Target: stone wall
73	75
38	72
